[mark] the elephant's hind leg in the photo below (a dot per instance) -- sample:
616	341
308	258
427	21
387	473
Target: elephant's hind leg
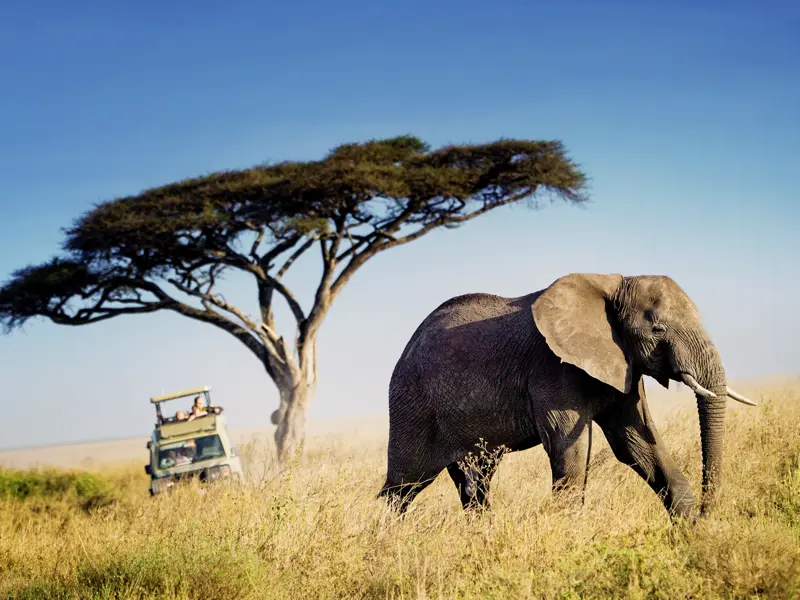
465	484
413	465
399	495
472	476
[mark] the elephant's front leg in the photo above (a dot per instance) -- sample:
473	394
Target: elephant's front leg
566	436
633	438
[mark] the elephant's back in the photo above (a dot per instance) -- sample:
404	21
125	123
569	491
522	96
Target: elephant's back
444	321
463	334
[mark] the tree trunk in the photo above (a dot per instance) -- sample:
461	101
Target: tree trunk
297	386
291	419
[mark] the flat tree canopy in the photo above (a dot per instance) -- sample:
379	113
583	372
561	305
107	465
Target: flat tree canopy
165	248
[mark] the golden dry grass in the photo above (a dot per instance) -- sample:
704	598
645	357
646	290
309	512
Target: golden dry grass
317	531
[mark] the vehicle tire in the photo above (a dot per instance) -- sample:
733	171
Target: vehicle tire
158	486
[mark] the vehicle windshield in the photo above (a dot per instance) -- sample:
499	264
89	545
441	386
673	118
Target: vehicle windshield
190	451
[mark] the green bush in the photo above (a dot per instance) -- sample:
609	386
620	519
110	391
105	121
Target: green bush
86	490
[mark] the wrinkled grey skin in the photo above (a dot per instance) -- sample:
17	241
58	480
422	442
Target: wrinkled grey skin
517	372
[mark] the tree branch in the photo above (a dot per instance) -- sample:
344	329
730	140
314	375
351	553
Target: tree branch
256	243
383	229
240	333
290	261
81	318
267	284
266	260
265	335
290	298
232	258
377	245
322	296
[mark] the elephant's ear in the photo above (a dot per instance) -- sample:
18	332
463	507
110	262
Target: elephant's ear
571	314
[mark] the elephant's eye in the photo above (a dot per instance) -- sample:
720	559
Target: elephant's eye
658	328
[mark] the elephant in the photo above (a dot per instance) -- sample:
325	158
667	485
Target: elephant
513	373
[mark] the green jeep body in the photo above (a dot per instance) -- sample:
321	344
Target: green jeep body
186	449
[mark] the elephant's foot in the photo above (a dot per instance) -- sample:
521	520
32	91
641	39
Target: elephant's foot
683	512
476	504
399	496
569	495
678	500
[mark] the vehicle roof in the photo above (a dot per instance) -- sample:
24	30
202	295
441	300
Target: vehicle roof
157	399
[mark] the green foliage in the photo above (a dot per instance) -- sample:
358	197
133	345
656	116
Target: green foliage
206	212
302	225
42	288
85	490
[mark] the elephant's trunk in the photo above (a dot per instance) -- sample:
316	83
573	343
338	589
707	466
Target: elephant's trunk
698	364
703	372
712	430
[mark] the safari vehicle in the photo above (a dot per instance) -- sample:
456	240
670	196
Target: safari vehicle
182	448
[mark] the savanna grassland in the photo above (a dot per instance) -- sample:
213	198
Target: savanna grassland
317	530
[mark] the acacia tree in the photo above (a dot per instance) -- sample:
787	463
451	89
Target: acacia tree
166	248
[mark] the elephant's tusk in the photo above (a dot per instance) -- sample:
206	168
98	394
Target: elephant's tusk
739	398
696	387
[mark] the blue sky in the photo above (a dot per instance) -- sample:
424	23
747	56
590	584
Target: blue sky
684	116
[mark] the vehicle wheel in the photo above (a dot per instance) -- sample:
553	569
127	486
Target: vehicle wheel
158	486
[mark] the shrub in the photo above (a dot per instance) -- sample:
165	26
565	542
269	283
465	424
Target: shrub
87	490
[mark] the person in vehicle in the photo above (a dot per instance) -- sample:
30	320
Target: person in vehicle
167	459
183	456
198	409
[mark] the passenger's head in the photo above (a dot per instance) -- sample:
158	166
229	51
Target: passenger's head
198	402
181	415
